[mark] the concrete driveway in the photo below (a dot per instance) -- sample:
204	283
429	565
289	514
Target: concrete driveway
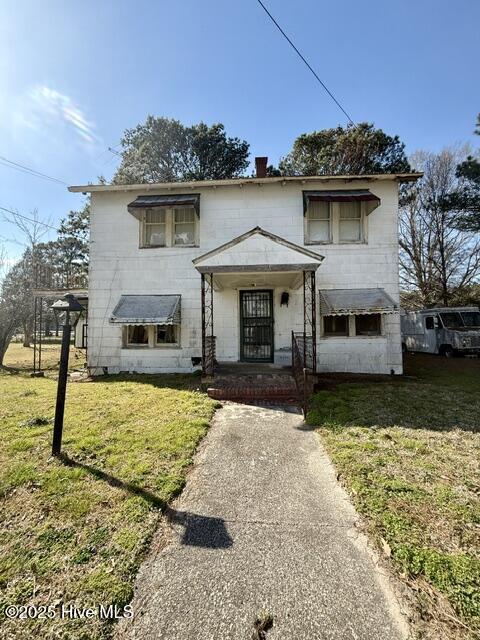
262	526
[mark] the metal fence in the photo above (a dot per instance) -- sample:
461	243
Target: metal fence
59	279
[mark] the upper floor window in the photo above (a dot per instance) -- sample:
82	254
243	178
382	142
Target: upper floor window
334	222
350	222
319	222
155	227
169	228
337	216
184	227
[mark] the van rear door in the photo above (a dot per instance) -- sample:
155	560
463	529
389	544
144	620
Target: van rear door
430	335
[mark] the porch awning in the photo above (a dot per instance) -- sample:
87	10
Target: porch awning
187	201
157	309
342	195
335	302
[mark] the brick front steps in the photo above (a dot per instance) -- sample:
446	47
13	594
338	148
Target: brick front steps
269	387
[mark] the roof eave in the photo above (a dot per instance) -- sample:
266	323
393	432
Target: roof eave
94	188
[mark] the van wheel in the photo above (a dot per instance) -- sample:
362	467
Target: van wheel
446	350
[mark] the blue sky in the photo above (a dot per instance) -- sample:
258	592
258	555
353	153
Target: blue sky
74	75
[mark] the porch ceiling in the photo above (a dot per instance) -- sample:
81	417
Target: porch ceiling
257	279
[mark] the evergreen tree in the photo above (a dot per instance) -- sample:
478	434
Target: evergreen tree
355	149
164	150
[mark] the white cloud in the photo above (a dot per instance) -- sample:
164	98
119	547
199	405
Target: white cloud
47	110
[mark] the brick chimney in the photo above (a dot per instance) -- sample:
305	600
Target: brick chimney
261	166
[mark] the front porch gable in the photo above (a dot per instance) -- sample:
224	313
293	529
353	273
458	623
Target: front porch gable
255	258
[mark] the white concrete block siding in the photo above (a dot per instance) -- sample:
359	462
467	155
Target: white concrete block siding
118	266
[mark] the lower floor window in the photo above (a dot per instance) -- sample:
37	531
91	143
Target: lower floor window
166	334
335	325
365	324
139	335
368	325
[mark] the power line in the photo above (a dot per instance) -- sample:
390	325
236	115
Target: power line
29	173
21	167
19	215
304	59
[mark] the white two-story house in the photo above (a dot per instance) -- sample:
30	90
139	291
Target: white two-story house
183	275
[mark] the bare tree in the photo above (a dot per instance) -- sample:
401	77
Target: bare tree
9	307
437	260
32	230
3	262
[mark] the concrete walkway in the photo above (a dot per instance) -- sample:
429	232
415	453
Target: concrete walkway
262	525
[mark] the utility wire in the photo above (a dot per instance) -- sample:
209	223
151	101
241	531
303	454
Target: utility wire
28	173
19	215
304	60
34	172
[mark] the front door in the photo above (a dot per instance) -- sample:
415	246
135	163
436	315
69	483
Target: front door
256	326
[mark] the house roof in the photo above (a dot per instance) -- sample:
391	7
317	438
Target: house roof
257	250
240	182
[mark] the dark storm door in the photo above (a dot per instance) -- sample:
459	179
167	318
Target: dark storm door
256	326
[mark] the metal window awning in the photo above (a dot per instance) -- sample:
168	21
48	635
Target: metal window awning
336	302
187	201
156	309
342	195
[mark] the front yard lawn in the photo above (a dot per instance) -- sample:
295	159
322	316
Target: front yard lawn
75	531
20	358
408	452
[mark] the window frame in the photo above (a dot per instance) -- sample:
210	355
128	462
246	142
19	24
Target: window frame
135	345
334	209
330	226
351	327
361	222
163	345
169	229
144	226
152	338
174	224
336	335
367	335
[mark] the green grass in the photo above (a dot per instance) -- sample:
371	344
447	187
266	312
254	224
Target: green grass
408	452
76	530
20	359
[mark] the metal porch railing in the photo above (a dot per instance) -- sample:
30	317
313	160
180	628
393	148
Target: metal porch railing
303	367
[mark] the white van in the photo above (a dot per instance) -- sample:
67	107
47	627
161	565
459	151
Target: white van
444	331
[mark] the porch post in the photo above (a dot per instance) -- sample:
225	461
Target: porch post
208	346
309	320
305	319
314	323
202	277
